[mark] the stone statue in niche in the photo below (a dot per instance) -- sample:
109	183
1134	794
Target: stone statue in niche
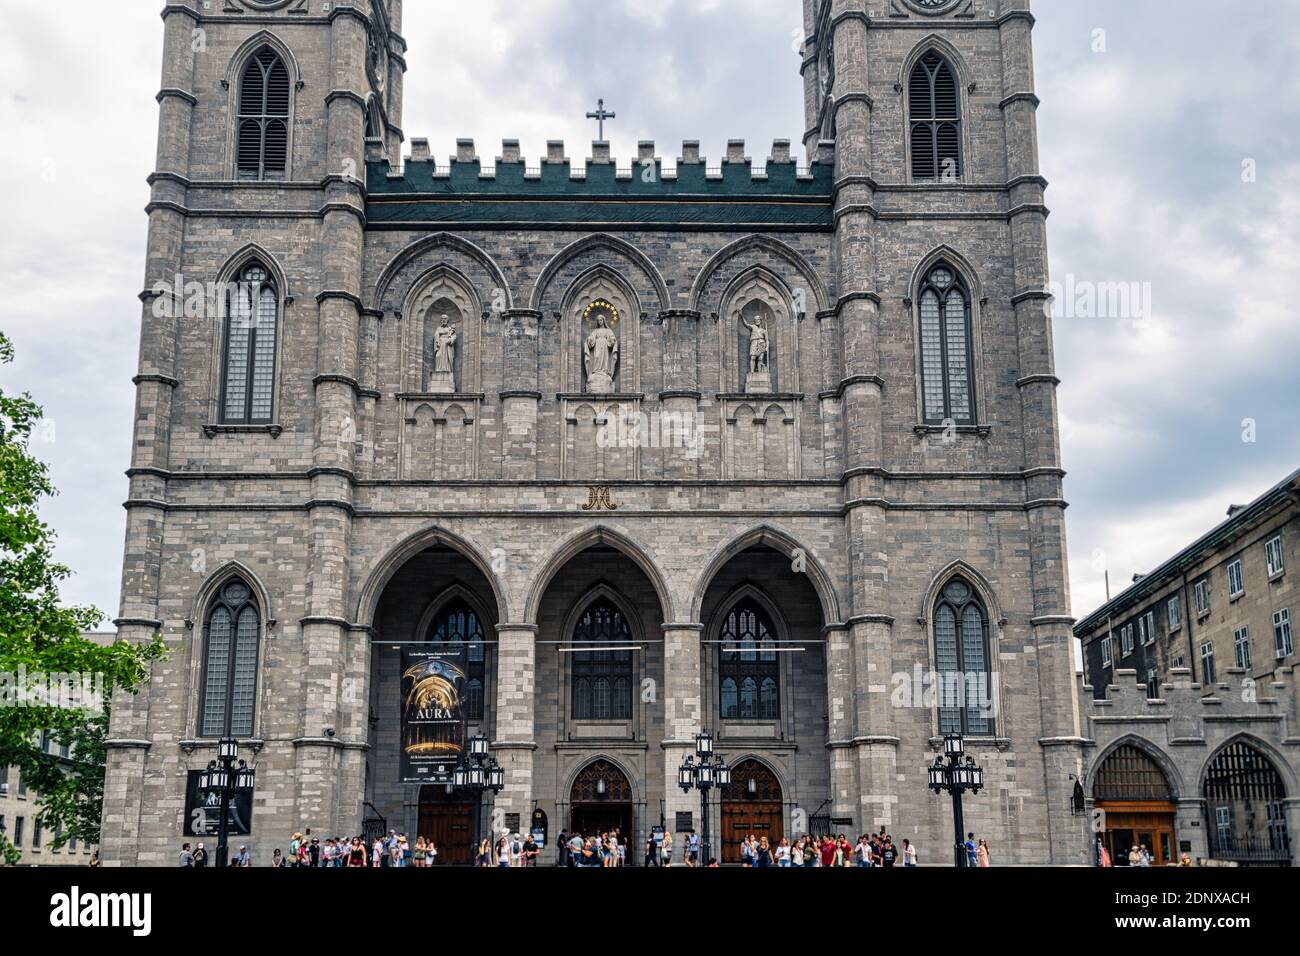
443	378
600	351
759	378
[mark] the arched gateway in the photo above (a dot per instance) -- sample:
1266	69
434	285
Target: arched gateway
751	805
1139	804
601	800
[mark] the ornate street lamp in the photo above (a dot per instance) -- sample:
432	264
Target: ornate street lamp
223	776
478	772
955	777
703	771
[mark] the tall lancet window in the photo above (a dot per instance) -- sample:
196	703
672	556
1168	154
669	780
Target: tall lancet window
262	148
947	357
248	370
748	673
602	675
934	106
961	652
231	633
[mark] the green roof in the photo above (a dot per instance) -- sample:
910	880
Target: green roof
783	200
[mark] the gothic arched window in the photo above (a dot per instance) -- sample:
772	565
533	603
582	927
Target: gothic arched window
458	623
935	115
230	635
961	652
602	677
248	367
947	351
262	148
748	671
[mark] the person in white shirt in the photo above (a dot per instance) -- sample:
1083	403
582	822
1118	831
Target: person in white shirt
864	852
909	854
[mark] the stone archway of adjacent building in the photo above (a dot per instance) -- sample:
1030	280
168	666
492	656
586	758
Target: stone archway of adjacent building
1139	803
1245	805
601	799
752	805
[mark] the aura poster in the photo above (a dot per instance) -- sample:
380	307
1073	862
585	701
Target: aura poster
433	713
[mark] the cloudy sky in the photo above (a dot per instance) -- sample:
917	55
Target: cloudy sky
1172	145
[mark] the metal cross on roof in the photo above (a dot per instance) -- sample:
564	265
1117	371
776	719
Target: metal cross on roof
600	116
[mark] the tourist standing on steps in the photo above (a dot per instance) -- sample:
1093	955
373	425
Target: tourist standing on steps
201	855
187	855
909	853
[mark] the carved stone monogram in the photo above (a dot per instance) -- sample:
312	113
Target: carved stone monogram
598	499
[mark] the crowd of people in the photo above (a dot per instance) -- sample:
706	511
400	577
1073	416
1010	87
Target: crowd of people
609	849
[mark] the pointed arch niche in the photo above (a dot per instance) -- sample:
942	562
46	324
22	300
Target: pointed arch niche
600	438
760	420
440	427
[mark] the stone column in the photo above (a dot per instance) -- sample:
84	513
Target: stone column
514	740
327	758
841	710
682	721
521	397
1190	823
1057	690
680	401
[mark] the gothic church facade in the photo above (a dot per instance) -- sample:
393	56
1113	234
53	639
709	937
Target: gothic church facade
758	446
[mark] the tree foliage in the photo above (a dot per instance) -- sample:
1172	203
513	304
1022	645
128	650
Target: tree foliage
44	640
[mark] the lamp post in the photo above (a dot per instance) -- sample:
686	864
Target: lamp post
224	776
955	777
478	772
703	771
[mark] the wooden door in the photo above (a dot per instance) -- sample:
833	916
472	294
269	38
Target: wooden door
742	818
451	827
1134	823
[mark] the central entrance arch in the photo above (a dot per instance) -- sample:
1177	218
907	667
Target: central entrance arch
447	818
601	800
751	805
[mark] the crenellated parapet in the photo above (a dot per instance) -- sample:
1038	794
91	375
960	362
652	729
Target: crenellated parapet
735	194
1187	713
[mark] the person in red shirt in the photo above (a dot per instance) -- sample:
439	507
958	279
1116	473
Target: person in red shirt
828	851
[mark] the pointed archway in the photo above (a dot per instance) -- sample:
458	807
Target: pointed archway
751	806
601	800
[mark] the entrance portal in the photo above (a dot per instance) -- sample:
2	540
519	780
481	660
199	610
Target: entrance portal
751	805
448	820
1139	805
601	800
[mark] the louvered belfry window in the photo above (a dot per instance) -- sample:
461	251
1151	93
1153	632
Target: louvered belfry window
230	663
263	140
936	120
947	357
248	373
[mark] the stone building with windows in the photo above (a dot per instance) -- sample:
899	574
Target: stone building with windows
22	827
764	446
1190	695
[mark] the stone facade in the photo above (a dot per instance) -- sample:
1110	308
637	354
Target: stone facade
826	494
1194	666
